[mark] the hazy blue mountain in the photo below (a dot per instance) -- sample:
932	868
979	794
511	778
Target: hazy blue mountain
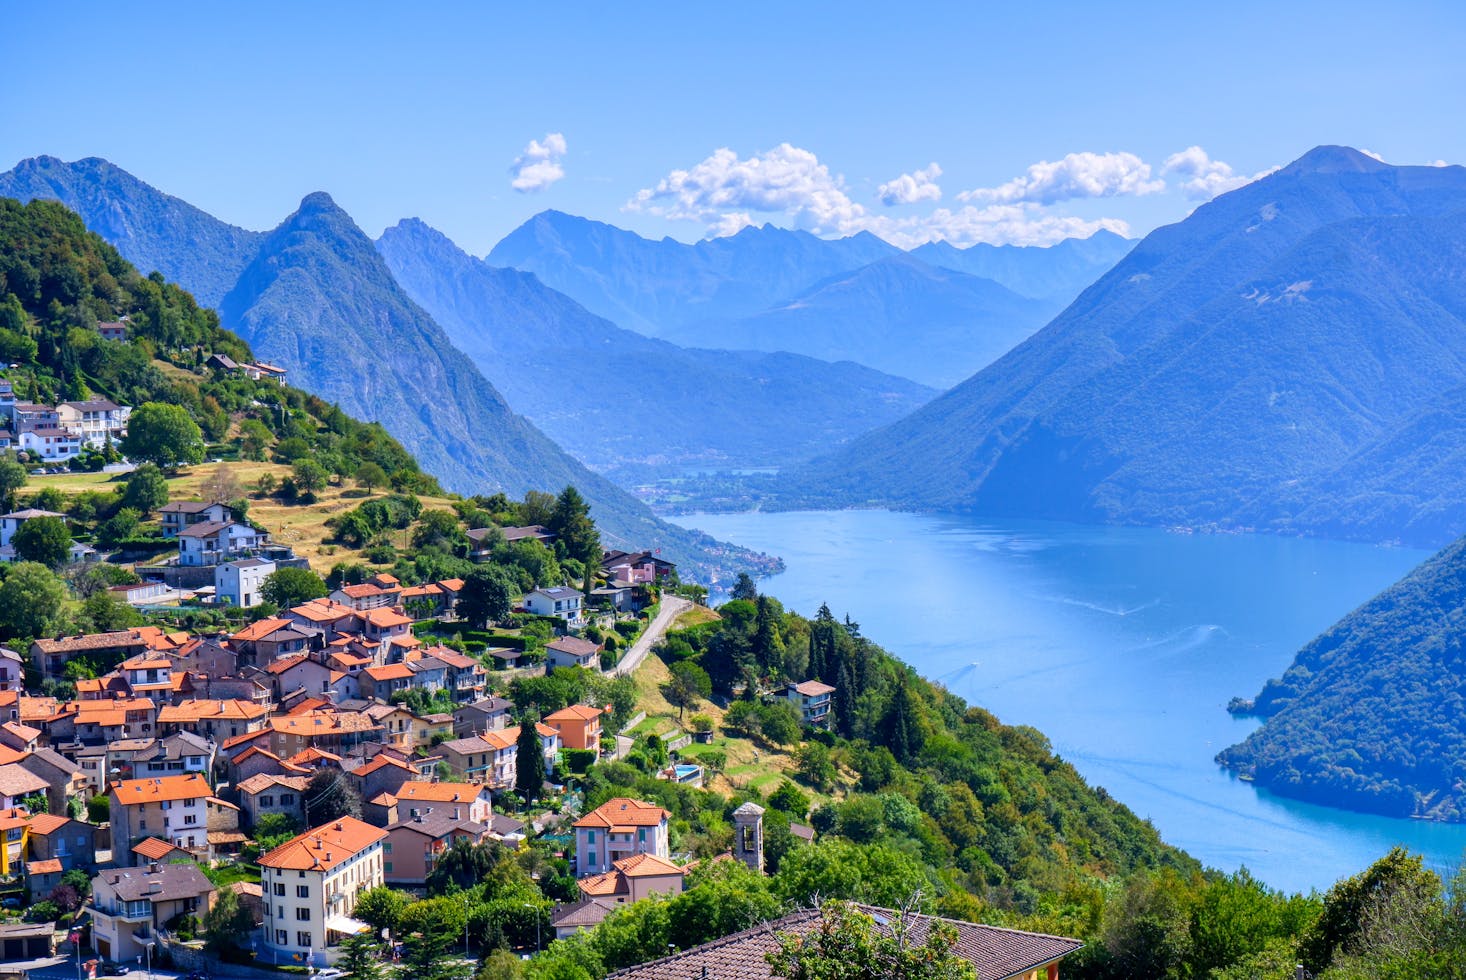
1372	714
1056	273
318	300
613	397
651	287
152	230
1234	369
898	314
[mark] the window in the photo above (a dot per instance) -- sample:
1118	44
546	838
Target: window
287	799
280	889
302	891
267	801
590	836
387	848
303	939
280	912
280	937
388	867
641	835
303	915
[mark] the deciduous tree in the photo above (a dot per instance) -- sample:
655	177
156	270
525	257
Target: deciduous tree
163	434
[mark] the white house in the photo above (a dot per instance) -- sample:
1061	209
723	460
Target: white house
310	886
180	514
572	651
238	583
51	444
556	601
95	420
11	522
813	699
214	542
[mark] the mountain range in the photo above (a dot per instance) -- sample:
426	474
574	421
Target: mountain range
315	297
924	315
613	397
1372	714
1285	358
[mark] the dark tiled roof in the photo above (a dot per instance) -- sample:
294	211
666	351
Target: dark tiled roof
997	953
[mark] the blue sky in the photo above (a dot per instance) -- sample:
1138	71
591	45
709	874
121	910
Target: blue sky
805	115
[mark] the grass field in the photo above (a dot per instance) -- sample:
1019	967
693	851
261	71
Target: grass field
302	526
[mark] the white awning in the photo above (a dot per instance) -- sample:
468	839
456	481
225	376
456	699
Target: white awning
346	924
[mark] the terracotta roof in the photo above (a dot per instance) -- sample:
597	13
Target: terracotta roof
322	611
233	709
153	848
91	641
322	723
48	823
389	672
997	954
583	915
453	658
495	741
129	792
23	732
282	664
645	866
51	867
439	792
546	730
386	618
381	762
605	883
312	754
324	847
263	628
262	781
237	740
145	662
16	781
622	812
574	646
576	712
452	584
812	689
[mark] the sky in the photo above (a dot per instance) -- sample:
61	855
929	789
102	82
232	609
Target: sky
1009	123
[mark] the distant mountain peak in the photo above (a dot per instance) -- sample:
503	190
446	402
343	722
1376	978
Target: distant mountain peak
1335	160
317	201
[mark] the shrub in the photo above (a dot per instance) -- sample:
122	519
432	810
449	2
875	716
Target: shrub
579	760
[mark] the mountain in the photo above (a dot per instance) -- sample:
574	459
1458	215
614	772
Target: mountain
651	287
1255	365
153	230
1056	273
1372	714
319	301
613	397
314	296
897	314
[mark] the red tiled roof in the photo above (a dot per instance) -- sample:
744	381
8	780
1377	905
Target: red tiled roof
324	847
622	812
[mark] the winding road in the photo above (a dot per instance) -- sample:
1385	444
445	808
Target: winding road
672	607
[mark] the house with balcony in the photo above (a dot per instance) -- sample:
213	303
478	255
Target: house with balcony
558	600
179	515
172	808
579	726
239	583
813	700
469	801
130	905
492	757
413	846
56	837
215	542
310	886
617	829
572	651
486	715
272	793
96	420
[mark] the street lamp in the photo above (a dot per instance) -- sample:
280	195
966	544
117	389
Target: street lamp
149	950
537	917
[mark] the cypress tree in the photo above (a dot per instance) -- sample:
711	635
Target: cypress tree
529	779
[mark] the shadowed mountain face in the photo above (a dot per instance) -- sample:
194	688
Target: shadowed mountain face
613	397
1260	364
314	296
1369	715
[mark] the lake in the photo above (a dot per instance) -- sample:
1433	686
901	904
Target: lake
1123	645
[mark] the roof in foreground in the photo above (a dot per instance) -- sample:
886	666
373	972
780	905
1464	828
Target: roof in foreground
996	953
324	847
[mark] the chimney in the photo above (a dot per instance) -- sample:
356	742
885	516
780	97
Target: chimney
152	867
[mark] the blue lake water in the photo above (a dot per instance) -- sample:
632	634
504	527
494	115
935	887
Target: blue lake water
1123	645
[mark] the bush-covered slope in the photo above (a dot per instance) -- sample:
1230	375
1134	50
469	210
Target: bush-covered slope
1372	714
1220	374
613	397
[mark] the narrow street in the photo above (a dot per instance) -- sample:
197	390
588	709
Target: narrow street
672	607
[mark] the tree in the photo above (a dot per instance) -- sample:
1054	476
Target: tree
273	829
381	907
901	724
573	527
361	956
12	477
814	765
286	587
221	486
103	612
163	434
330	796
486	595
463	865
118	528
309	477
31	602
790	798
779	723
146	490
1350	904
688	686
254	439
529	778
228	924
44	540
848	945
744	588
369	476
432	929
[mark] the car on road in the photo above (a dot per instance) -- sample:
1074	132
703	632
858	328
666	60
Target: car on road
109	969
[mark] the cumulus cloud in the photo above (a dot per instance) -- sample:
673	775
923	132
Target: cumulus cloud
912	188
1201	178
721	189
539	165
1371	153
998	224
1077	175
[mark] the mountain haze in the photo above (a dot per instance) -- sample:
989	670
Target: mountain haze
897	314
1235	369
1056	273
612	396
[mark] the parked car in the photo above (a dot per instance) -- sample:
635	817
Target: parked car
110	969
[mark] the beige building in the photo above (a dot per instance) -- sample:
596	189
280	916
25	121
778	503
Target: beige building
310	887
130	905
173	808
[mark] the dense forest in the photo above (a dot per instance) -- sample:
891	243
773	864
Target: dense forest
1372	714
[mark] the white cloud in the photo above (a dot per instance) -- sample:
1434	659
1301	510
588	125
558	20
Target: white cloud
725	193
920	185
723	188
539	165
1440	163
1077	175
1201	178
1371	153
